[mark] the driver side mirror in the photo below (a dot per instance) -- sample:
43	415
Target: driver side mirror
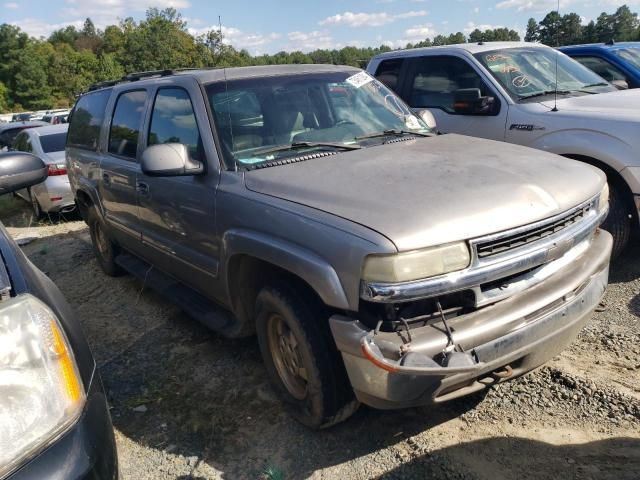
20	170
169	160
427	117
620	84
469	101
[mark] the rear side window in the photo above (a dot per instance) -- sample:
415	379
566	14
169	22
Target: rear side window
388	72
86	121
22	143
125	125
173	121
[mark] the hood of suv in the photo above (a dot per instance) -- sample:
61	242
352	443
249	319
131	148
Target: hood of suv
612	104
431	191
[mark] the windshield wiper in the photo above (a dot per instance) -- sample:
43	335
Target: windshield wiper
546	92
599	84
296	145
393	131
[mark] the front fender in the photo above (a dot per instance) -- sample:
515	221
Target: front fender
307	265
589	143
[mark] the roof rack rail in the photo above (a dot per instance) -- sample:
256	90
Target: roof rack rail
135	76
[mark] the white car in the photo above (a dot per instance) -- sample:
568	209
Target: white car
509	91
54	194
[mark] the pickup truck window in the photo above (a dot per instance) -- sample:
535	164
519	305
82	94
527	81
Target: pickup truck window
125	125
531	72
630	55
388	72
311	112
173	121
86	120
603	68
434	79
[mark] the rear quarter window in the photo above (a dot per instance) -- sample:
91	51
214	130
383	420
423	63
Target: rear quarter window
86	120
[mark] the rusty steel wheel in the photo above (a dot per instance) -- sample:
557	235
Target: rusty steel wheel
286	356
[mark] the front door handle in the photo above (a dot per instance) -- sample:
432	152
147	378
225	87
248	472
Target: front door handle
106	178
142	188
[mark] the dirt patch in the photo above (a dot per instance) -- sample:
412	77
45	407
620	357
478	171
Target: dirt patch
187	403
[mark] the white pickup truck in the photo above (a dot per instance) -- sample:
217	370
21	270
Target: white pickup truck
531	95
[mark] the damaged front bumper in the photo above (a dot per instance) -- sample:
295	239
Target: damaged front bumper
500	341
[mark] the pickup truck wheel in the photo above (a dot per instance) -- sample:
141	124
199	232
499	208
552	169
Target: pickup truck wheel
104	249
618	222
301	358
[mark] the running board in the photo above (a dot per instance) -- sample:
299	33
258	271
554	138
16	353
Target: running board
191	302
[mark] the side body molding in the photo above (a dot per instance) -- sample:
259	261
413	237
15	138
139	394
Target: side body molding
313	269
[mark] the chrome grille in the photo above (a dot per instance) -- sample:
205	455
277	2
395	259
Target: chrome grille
522	237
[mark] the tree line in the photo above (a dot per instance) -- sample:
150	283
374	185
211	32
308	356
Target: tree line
557	30
47	73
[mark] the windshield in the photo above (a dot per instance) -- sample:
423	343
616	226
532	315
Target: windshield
630	55
264	119
54	142
531	72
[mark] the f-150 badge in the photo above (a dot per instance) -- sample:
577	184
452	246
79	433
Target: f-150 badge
524	127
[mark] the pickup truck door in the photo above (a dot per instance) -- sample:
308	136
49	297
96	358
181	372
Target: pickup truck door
177	214
430	82
119	166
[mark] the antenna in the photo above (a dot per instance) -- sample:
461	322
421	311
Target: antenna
555	93
226	92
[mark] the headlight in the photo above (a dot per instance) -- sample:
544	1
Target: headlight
603	201
41	393
405	267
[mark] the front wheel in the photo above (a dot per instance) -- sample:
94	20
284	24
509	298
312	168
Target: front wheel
301	358
618	222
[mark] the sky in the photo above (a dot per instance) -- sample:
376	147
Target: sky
268	26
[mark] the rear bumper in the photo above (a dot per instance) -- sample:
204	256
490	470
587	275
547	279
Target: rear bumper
504	340
54	195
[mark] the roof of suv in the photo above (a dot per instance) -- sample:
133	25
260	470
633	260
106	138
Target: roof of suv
238	73
472	48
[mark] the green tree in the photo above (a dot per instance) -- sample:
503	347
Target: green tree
625	24
4	98
605	27
31	84
12	45
456	38
571	31
533	31
549	31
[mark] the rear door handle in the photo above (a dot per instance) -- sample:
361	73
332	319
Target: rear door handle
142	188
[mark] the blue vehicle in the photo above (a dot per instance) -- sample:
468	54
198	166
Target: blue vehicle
618	63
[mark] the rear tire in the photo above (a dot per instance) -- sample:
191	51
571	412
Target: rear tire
618	222
35	206
300	356
104	248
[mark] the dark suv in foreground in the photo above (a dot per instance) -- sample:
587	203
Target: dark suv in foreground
376	261
54	418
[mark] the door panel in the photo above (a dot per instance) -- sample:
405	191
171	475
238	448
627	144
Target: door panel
431	82
119	168
177	214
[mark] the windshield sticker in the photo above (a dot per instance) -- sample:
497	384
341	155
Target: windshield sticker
359	79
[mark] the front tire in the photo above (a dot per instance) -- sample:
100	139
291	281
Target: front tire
104	248
301	358
618	222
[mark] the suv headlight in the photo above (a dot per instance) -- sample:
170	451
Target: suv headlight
603	201
405	267
41	393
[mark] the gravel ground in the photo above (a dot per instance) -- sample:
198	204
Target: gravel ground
188	404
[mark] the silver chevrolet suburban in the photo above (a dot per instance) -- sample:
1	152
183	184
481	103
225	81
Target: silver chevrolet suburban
376	261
